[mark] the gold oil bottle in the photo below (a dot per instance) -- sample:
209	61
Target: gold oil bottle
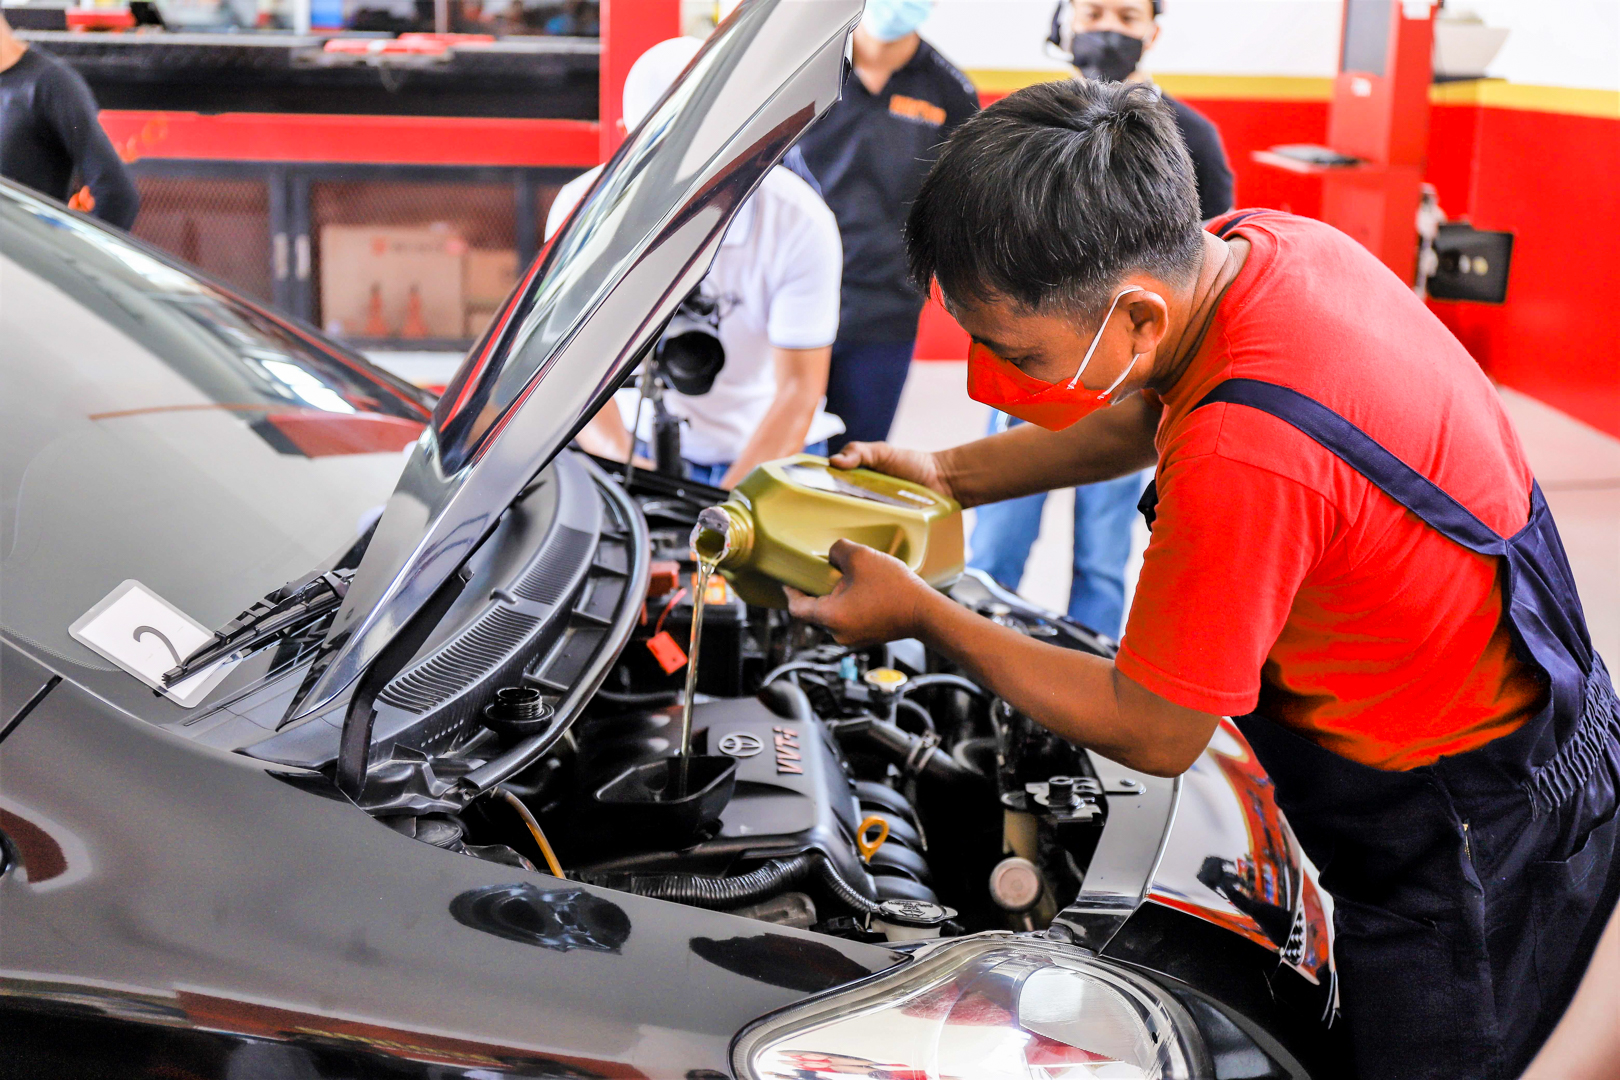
780	522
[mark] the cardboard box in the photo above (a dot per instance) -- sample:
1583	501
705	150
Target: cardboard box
392	282
478	319
488	274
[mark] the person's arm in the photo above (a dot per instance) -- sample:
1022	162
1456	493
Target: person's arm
71	112
1586	1043
801	382
806	265
606	436
1083	698
1027	459
1189	655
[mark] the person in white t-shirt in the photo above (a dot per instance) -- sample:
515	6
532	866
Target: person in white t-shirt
776	281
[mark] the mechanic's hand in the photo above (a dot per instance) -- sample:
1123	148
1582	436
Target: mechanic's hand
878	599
918	466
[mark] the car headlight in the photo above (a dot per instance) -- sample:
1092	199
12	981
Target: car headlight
992	1007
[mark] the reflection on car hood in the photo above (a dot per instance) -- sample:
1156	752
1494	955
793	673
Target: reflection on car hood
640	241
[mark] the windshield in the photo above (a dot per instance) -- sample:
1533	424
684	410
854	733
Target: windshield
155	427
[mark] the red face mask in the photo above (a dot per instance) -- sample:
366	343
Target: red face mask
1053	406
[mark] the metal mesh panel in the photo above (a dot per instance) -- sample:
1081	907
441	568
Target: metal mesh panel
221	226
544	196
482	213
401	261
419	263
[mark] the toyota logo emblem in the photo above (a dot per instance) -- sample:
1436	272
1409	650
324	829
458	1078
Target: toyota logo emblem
741	744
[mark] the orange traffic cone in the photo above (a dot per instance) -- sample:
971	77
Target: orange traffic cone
375	326
415	326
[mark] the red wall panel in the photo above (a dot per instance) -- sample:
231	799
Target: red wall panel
1549	178
1247	126
399	140
1453	134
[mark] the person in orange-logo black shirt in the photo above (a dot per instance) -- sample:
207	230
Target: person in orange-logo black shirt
870	153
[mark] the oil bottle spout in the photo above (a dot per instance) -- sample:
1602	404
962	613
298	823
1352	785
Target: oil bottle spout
779	524
723	534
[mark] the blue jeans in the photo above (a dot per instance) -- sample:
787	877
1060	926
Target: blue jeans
1003	533
712	474
864	385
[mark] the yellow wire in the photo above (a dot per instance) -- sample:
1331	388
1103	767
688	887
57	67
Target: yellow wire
534	830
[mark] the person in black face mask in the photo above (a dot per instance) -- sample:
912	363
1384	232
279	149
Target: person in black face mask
1105	40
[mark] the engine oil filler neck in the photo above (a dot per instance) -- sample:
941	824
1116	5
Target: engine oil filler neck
517	712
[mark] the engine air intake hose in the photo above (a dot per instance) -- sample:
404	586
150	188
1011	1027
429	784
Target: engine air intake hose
797	665
912	753
955	682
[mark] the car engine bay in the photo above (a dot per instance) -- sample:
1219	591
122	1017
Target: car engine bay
872	794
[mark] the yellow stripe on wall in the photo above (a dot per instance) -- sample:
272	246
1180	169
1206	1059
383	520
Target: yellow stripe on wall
1249	87
1501	94
1009	80
1486	93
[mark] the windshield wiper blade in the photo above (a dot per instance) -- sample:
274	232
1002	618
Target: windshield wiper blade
280	613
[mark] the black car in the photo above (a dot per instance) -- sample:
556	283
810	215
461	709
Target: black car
329	717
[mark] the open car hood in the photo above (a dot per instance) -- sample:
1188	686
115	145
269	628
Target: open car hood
598	295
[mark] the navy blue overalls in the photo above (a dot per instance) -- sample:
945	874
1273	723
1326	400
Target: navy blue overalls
1468	894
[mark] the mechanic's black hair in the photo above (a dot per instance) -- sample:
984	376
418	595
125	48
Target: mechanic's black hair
1052	195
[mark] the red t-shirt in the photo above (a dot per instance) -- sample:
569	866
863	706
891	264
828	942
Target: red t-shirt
1278	579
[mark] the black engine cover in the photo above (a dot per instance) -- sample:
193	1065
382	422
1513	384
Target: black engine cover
793	793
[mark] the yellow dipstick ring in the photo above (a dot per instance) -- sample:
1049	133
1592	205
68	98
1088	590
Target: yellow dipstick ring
869	847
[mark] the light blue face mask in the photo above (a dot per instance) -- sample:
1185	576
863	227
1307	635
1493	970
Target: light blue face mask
891	20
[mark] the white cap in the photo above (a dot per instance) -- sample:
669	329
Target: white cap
653	74
1015	884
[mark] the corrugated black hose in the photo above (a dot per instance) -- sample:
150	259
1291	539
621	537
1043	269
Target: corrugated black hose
842	889
702	890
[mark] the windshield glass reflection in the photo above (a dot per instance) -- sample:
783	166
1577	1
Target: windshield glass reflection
154	426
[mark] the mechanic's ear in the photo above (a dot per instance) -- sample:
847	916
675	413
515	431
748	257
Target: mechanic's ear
1150	320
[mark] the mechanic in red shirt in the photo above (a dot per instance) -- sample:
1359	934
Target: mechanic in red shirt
1349	555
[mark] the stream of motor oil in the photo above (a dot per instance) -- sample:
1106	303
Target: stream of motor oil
706	565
